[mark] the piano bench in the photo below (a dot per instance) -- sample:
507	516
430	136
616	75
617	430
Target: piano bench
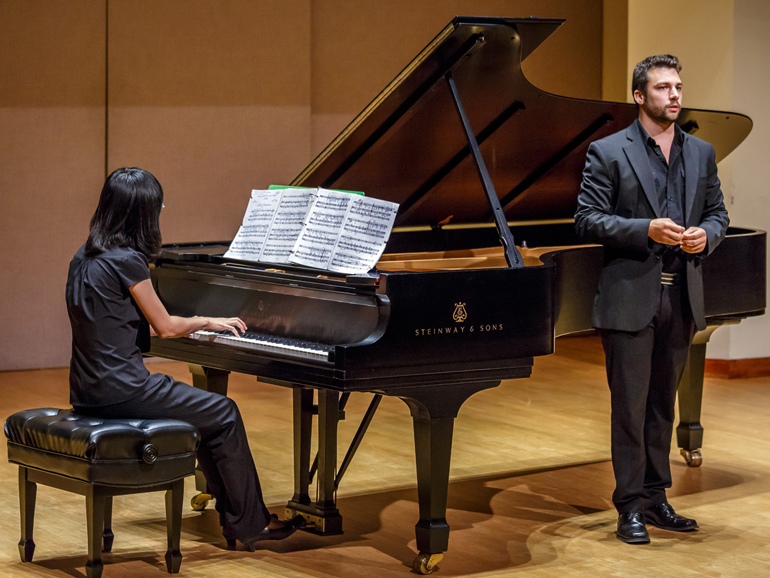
100	458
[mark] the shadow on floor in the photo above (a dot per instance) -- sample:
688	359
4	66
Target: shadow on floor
496	522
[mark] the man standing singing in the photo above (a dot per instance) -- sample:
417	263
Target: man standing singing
651	196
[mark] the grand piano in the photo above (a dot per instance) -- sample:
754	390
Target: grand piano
482	272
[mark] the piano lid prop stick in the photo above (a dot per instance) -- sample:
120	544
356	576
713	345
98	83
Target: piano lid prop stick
512	256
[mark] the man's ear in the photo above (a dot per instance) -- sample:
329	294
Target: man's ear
639	97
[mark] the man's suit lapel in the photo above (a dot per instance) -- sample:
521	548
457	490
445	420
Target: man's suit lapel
637	156
691	158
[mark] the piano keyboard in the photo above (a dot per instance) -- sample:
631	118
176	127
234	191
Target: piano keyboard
268	344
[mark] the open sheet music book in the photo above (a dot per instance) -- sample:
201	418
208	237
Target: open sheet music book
334	231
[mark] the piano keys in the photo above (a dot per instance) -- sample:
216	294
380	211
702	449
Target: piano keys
268	344
481	273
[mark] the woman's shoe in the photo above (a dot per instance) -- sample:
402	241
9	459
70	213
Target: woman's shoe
289	527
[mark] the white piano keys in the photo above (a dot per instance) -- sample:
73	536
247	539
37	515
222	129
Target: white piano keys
280	346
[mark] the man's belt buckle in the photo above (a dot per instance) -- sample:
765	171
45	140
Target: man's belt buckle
670	279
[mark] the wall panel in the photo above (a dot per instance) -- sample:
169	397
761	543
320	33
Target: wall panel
211	97
357	52
749	189
51	166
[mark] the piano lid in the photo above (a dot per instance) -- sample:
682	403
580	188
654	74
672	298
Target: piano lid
408	145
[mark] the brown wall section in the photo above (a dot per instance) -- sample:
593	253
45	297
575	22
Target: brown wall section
211	97
51	166
357	52
214	97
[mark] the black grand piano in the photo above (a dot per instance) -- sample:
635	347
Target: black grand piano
476	156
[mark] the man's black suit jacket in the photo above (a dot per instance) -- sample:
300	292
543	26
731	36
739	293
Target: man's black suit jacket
616	203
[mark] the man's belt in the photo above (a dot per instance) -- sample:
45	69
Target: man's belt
670	279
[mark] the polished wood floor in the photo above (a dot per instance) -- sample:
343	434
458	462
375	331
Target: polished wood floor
529	496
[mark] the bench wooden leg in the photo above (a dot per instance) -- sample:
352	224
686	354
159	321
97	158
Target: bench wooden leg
174	499
96	502
108	536
27	495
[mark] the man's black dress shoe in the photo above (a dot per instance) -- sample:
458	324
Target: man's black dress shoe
289	527
663	516
631	529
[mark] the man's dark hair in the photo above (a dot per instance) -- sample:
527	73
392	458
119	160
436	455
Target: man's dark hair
640	78
127	214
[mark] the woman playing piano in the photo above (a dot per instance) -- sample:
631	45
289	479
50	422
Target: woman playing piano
110	300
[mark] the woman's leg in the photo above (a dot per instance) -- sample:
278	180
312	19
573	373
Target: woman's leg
223	455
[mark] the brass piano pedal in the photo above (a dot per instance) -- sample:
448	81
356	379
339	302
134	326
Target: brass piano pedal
325	526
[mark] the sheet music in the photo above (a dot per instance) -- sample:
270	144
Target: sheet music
271	225
344	233
287	224
315	245
251	236
365	232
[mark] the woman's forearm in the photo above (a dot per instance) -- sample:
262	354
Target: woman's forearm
176	326
169	326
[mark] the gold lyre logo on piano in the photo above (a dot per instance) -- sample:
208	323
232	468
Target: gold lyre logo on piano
460	313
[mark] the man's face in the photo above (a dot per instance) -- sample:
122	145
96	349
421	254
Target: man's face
662	99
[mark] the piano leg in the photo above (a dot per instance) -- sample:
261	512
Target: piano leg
303	424
689	432
214	380
209	379
433	410
322	517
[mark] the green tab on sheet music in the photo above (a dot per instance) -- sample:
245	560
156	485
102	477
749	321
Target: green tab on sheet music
273	187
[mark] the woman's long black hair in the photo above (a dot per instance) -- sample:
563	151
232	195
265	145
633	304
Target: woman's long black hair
127	214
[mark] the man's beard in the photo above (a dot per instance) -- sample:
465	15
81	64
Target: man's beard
663	115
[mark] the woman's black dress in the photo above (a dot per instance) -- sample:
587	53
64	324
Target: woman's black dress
108	379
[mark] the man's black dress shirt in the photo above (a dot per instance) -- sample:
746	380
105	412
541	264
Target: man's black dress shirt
669	185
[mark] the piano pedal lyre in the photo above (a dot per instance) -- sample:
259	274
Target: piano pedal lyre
314	523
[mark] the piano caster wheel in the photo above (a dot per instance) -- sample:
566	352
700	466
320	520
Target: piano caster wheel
693	458
199	502
426	563
231	544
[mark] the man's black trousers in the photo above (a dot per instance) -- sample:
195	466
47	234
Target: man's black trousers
223	455
643	371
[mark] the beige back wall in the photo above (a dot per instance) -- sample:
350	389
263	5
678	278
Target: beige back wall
749	190
213	97
51	166
704	45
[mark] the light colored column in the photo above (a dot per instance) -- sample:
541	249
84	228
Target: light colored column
748	192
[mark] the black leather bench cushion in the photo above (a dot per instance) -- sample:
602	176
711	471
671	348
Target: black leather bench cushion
96	450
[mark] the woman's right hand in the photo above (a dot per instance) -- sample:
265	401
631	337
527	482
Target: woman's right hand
169	326
234	325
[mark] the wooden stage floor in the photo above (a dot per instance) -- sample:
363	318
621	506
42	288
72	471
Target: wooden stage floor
530	490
